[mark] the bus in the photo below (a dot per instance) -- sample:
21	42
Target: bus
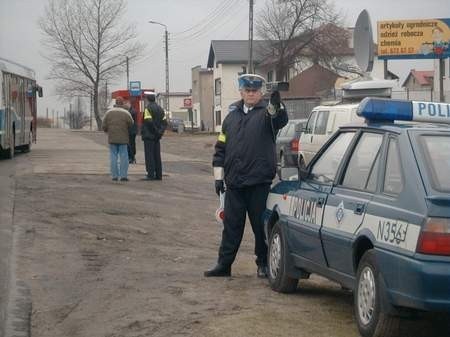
18	91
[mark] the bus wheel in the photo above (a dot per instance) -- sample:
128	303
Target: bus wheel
27	148
12	147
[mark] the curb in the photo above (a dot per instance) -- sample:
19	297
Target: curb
15	309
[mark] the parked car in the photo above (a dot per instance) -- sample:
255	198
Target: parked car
323	121
372	212
174	123
287	143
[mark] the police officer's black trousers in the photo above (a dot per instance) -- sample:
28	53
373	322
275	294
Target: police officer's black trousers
153	164
132	147
238	202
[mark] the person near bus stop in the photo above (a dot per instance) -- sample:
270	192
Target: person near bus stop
132	133
244	161
116	123
153	127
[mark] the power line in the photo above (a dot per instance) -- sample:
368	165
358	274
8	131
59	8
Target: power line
211	16
212	22
216	26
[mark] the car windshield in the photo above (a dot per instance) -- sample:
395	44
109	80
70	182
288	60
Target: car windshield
436	150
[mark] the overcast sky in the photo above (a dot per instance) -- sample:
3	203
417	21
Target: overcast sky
20	38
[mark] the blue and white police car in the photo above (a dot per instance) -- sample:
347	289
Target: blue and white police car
372	212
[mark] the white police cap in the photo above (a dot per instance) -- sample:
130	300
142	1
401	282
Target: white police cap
149	93
251	81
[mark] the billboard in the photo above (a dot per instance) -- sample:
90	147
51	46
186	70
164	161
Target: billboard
414	39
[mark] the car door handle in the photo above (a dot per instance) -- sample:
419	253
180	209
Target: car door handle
320	202
359	209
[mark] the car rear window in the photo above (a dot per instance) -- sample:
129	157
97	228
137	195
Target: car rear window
291	130
436	150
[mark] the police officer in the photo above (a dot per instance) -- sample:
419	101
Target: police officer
245	158
153	126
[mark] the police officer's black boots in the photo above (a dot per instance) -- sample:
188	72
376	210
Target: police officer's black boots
218	271
261	272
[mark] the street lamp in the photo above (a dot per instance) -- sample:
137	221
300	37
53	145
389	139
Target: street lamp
166	107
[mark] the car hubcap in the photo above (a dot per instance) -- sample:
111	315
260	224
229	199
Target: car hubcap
366	295
275	256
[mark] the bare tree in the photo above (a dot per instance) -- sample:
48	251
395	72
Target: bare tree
88	45
77	117
293	27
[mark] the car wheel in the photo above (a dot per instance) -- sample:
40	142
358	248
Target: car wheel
370	318
277	263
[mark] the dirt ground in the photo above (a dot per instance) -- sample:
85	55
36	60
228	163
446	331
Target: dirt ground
113	259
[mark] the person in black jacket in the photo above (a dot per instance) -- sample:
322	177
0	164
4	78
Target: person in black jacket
132	133
245	158
153	126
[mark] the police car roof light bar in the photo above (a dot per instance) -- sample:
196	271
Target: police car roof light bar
385	109
391	110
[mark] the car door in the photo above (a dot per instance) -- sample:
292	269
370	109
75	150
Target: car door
320	136
347	202
306	148
307	203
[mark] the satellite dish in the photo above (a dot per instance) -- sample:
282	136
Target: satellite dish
363	42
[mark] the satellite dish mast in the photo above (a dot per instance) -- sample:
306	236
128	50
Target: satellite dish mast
363	43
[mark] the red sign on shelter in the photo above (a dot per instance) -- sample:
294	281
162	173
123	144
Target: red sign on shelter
187	103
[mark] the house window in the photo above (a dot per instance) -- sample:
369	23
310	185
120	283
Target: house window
270	76
218	86
218	117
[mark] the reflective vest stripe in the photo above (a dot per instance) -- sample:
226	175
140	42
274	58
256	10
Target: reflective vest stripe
222	138
147	114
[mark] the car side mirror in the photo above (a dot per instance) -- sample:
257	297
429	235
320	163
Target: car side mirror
299	128
303	173
40	91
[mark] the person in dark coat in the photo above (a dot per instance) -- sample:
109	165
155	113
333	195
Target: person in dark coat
132	133
153	127
245	161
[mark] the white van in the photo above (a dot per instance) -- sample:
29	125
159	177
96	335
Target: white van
323	121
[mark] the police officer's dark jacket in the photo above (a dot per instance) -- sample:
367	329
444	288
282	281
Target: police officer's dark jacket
246	146
154	122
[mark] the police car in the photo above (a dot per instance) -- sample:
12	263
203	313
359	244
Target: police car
372	212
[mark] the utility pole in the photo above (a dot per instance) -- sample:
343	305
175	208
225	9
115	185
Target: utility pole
46	116
90	111
57	119
250	39
167	69
441	80
53	118
70	116
166	40
128	74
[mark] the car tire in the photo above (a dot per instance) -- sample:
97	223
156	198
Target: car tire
370	318
277	263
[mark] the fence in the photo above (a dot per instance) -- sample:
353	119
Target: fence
421	95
